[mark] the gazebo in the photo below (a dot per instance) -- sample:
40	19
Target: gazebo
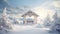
30	17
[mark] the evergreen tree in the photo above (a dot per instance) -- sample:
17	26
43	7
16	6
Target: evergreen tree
4	22
56	23
47	21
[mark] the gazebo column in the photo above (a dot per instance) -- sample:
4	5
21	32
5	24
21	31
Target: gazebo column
25	21
35	20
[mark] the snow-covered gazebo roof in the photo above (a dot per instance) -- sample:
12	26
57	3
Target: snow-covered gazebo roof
29	13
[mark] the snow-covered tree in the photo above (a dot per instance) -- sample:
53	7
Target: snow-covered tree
47	21
56	23
4	22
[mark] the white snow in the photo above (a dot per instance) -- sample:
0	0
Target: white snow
28	29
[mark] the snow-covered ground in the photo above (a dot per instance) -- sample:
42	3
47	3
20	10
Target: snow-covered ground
29	29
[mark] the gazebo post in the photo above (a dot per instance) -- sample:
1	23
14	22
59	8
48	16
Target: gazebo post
24	19
35	19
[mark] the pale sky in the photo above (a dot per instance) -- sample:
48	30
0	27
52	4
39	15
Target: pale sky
31	3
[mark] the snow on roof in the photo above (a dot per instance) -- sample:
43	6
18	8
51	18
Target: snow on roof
29	13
